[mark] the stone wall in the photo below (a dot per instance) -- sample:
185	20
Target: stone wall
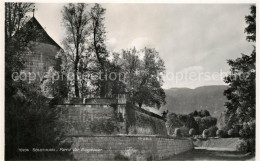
127	147
140	121
89	119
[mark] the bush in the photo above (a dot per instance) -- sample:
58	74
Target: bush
205	133
121	157
212	131
192	132
248	130
248	145
184	131
205	123
143	130
221	133
233	133
177	132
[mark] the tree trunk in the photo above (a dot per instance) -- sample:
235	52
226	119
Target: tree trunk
76	76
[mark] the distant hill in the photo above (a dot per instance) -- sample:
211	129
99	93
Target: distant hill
186	100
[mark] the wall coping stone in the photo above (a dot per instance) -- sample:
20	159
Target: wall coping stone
121	135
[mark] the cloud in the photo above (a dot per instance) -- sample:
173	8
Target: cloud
140	43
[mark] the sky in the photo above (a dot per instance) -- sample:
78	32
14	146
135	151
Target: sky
190	38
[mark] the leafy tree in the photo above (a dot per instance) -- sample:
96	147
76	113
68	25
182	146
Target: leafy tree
212	131
177	132
189	121
205	122
205	133
221	133
75	20
98	46
251	28
143	76
172	122
29	120
241	90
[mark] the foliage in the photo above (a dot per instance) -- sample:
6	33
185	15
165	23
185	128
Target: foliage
248	130
143	76
75	20
212	131
30	122
251	28
192	132
184	131
177	132
15	17
33	123
205	122
189	121
248	145
172	122
201	113
120	157
221	133
241	91
205	133
98	46
234	131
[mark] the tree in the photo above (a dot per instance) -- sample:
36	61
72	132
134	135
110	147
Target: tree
29	119
15	46
143	76
75	20
241	89
251	28
172	122
150	86
205	123
98	46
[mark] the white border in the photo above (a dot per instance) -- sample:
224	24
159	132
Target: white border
122	1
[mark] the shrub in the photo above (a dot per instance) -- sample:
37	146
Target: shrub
121	157
205	123
233	133
221	133
132	130
173	122
177	132
248	145
248	130
192	132
142	130
205	133
212	131
242	147
184	131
